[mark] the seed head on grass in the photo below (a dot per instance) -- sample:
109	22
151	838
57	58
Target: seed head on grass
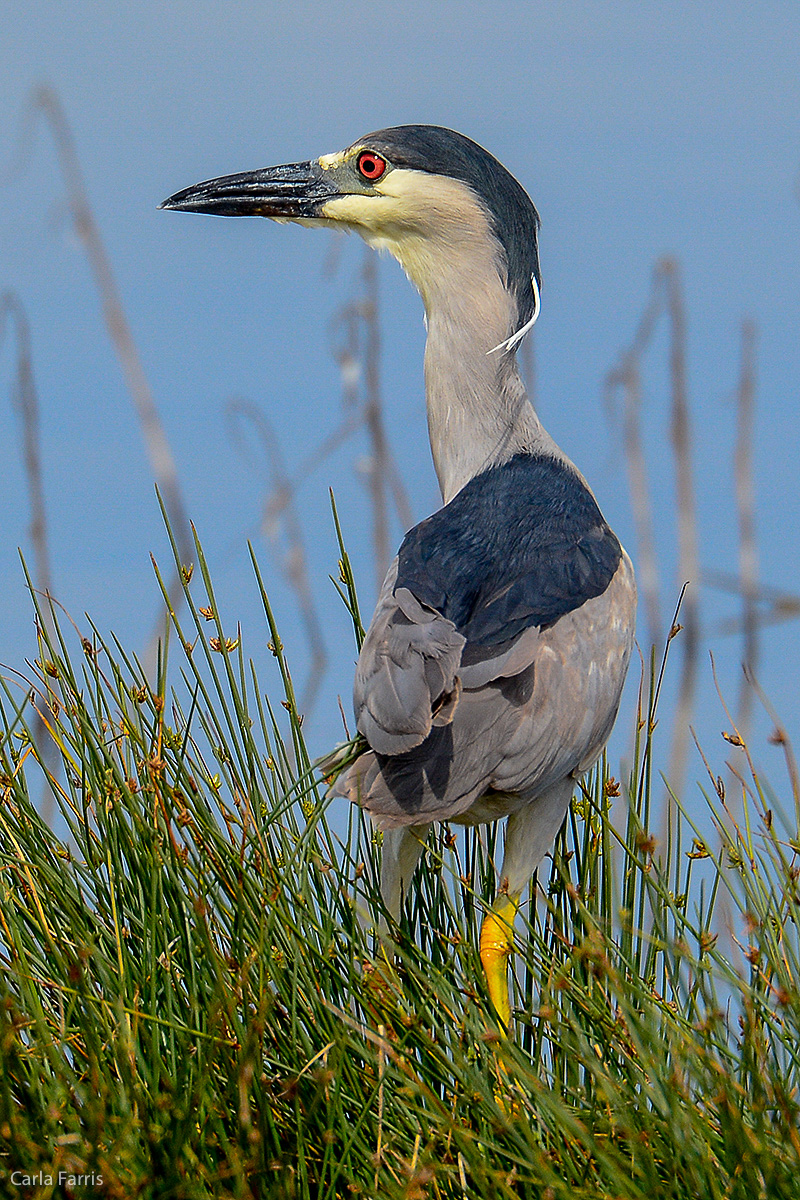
184	1008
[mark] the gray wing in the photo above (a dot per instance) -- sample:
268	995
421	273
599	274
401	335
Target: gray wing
515	734
411	672
406	677
461	683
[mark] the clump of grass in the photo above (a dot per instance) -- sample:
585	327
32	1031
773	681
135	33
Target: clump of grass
187	1001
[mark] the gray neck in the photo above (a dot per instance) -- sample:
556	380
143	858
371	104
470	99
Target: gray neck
479	414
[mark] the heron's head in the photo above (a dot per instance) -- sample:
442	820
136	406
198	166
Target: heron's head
440	203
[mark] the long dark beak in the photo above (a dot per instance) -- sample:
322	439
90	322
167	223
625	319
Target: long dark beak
292	192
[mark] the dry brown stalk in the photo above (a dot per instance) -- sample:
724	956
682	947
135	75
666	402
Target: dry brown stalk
688	555
774	606
779	737
359	356
746	511
280	515
626	376
666	295
26	401
45	100
373	416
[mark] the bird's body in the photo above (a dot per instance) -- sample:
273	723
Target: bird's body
493	667
494	661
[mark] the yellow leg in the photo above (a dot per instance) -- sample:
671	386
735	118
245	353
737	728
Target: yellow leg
497	939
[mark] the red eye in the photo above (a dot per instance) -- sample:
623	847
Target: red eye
371	165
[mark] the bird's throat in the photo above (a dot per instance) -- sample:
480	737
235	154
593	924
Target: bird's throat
479	415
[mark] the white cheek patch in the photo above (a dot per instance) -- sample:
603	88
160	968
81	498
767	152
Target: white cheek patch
354	209
432	205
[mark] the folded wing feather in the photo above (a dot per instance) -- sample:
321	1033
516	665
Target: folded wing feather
407	666
458	627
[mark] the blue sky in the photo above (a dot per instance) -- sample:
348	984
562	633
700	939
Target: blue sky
639	130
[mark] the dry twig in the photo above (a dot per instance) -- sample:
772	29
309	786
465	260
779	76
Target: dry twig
26	401
627	377
688	556
381	468
774	606
45	100
280	515
358	354
745	507
665	296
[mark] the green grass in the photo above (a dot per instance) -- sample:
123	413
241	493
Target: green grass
187	1006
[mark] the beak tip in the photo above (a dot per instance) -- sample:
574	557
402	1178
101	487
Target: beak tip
171	202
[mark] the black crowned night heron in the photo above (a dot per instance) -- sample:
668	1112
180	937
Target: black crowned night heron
492	670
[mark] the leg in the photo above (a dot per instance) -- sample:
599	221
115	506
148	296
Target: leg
529	832
402	849
497	938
